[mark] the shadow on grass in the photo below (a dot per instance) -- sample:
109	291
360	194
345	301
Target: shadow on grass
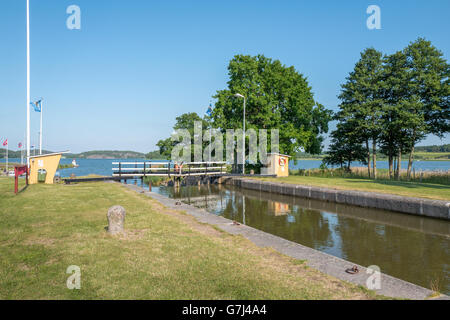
23	189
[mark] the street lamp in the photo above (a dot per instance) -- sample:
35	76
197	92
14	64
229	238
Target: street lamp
238	95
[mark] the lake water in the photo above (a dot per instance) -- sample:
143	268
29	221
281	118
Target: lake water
411	248
417	165
103	166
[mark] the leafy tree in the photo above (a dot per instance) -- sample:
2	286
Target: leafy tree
153	155
395	97
429	89
278	97
344	148
185	121
361	102
165	147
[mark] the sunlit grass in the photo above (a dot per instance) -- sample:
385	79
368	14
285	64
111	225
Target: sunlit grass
403	188
163	255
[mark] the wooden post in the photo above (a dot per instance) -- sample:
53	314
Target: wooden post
120	169
168	170
150	186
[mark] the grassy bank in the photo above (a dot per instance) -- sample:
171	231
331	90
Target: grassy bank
163	255
403	188
433	177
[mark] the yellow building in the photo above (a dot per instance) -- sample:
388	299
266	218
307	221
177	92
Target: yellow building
43	168
278	164
279	208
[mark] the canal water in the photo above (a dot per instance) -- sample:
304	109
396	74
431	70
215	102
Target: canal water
408	247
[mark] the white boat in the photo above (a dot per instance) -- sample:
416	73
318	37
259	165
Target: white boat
74	163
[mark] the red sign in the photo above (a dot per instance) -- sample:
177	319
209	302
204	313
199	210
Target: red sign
18	172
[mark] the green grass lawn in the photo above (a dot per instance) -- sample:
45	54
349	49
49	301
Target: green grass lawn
403	188
163	255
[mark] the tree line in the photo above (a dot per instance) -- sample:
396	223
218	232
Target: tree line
434	148
389	103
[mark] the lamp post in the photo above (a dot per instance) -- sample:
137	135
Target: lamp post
238	95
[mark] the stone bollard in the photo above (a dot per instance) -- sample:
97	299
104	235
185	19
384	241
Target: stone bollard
116	219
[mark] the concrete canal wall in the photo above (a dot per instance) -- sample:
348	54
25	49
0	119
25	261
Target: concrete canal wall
328	264
416	206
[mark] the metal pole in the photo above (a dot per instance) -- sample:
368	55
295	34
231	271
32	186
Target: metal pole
7	157
243	136
28	83
40	132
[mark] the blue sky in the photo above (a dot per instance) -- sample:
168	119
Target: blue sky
120	81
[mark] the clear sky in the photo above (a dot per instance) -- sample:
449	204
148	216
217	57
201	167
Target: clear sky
120	81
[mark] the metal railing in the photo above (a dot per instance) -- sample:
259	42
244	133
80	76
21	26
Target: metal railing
167	169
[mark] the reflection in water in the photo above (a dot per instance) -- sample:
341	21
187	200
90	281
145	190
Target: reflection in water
412	248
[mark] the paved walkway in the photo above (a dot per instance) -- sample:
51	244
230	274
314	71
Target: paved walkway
390	286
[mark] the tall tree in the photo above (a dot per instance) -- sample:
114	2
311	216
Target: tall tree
361	102
429	91
278	97
185	121
344	148
394	84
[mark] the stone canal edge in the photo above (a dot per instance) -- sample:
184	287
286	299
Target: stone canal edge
328	264
437	209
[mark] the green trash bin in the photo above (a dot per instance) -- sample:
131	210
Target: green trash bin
42	174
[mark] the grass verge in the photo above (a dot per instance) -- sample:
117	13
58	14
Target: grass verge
164	254
402	188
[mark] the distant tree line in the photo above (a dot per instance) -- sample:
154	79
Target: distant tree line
389	103
443	148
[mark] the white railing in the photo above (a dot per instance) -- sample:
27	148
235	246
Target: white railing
143	169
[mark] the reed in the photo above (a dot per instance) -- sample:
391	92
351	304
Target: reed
435	177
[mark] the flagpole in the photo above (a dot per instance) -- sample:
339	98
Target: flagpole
40	132
28	83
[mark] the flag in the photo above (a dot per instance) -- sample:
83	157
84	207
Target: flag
20	145
36	105
209	111
5	143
